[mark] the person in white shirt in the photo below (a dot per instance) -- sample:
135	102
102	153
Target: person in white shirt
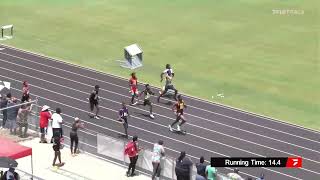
57	122
235	175
158	153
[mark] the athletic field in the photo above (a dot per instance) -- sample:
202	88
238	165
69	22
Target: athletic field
262	62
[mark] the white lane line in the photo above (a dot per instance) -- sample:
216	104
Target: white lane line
170	137
192	97
170	109
159	105
202	128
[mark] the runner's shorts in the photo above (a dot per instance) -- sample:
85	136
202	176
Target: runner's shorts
93	104
147	102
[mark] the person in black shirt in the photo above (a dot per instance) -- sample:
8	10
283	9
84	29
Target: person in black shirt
94	102
123	117
74	135
201	167
3	104
183	167
56	148
147	94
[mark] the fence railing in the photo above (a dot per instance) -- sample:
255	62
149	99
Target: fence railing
114	148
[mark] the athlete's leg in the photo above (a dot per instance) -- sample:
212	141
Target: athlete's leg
163	93
175	92
176	121
183	120
97	109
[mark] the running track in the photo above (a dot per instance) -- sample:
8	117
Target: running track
213	129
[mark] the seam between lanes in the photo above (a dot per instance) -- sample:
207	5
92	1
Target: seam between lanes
192	97
176	139
166	107
237	119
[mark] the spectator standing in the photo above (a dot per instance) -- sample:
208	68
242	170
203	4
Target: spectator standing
57	122
123	117
25	92
11	174
132	150
45	115
74	135
3	104
56	148
201	167
211	173
158	153
12	113
22	119
183	167
235	175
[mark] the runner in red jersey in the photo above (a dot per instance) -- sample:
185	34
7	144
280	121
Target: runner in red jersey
133	83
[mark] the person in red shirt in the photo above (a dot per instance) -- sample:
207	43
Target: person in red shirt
25	91
45	115
133	83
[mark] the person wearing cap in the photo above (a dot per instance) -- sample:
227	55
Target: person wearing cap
74	135
123	117
147	94
45	115
25	92
94	102
235	175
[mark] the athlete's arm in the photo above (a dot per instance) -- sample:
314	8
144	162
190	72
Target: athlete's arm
150	92
161	76
174	107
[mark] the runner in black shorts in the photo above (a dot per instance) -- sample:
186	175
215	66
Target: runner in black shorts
179	108
94	102
147	93
123	117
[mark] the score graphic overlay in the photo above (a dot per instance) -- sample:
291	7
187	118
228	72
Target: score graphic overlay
288	162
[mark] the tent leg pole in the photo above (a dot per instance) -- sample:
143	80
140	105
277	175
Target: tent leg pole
31	168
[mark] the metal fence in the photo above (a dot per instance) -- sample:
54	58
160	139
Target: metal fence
114	148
